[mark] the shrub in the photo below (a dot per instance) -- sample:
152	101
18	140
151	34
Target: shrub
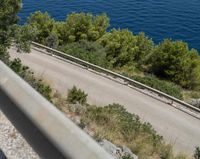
17	67
197	153
174	61
77	95
52	41
120	47
126	157
161	85
88	51
42	88
43	23
28	76
80	26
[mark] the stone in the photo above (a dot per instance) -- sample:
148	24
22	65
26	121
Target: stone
127	152
115	151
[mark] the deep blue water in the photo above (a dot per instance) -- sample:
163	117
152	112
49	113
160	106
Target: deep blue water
159	19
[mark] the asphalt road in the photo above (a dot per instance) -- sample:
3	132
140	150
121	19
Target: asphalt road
177	127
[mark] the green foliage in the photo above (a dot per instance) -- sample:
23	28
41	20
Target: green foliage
124	48
197	153
8	13
163	86
52	40
126	157
9	31
28	76
78	26
8	17
120	47
22	35
82	26
145	48
17	66
43	23
77	96
61	32
88	51
172	60
41	87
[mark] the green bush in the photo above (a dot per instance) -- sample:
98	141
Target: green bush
28	76
197	153
161	85
83	26
126	157
77	96
42	88
88	51
17	67
120	47
43	24
174	61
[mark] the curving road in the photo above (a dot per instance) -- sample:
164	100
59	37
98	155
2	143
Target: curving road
177	127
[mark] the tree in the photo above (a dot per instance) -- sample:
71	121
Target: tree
22	35
145	48
10	32
8	17
100	25
61	32
120	46
43	23
172	60
83	26
52	40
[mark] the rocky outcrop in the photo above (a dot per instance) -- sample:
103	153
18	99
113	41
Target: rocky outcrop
117	152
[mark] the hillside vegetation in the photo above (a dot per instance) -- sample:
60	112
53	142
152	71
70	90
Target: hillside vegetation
175	67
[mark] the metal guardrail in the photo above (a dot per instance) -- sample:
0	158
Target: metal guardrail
49	132
115	75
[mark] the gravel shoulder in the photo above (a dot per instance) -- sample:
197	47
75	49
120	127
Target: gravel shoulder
12	143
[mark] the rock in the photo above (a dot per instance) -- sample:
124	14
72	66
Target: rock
127	152
115	151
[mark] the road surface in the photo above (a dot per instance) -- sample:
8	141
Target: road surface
177	127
